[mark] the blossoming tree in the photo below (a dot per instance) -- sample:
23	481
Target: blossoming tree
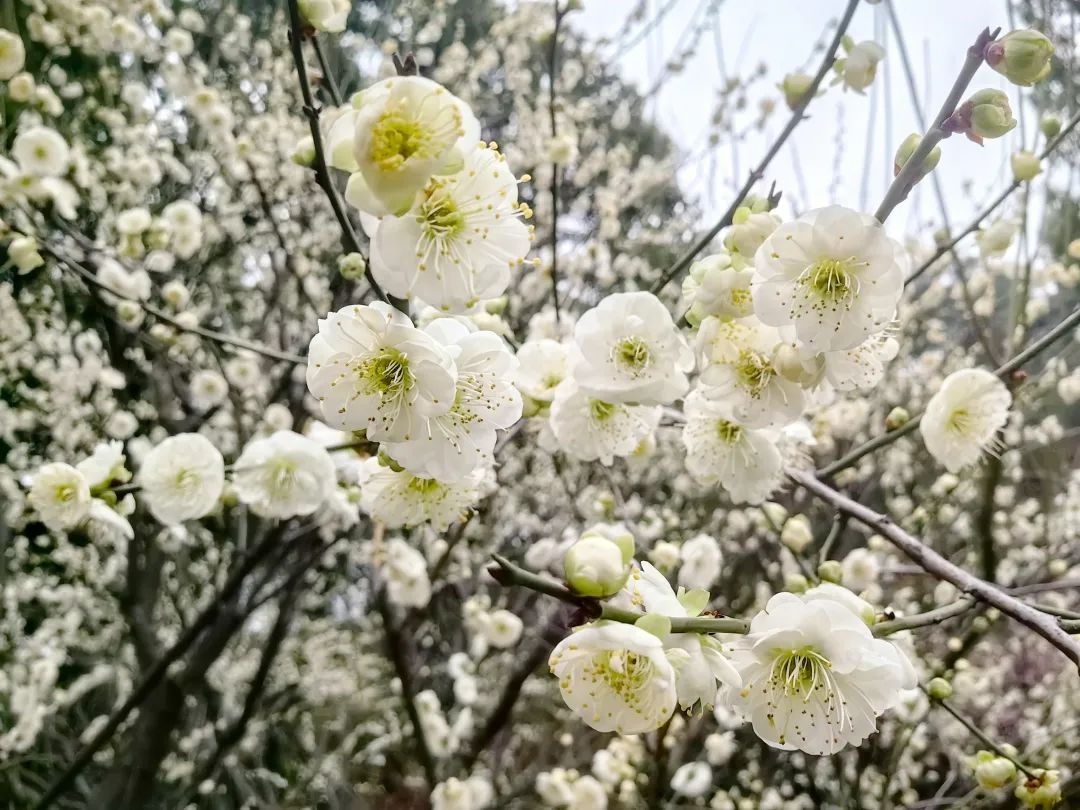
381	429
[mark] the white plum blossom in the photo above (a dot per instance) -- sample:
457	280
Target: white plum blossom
589	428
406	573
631	351
814	677
862	367
745	461
401	499
407	128
283	475
451	445
182	478
700	562
60	495
542	365
41	151
615	677
12	54
372	370
692	779
833	274
963	418
858	69
104	465
459	242
326	15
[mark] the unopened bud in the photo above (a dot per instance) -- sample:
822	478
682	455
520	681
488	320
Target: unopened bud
831	571
352	266
774	513
1050	125
939	689
907	149
597	566
897	418
795	583
304	152
993	772
795	86
986	114
1025	166
1022	57
796	534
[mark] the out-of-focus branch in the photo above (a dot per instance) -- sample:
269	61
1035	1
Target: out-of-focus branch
931	617
553	64
928	559
797	115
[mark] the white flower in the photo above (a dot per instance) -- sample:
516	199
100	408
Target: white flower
182	478
631	351
745	372
474	793
399	498
542	365
41	152
838	593
60	495
587	794
133	222
692	779
459	242
104	465
861	569
814	677
407	581
858	69
588	428
995	239
451	445
698	659
616	677
701	560
746	234
326	15
714	287
833	273
407	129
23	253
502	629
963	418
12	54
861	367
283	475
745	461
372	370
207	389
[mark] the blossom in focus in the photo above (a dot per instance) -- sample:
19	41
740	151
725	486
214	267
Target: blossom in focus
589	428
401	499
60	495
182	478
407	128
814	677
1023	57
833	274
459	242
283	475
542	365
631	351
615	677
372	370
963	418
451	445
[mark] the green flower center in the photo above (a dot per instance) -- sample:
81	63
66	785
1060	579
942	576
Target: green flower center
800	672
754	370
395	139
624	672
728	432
440	215
831	280
387	374
424	486
959	421
187	479
632	353
64	493
601	411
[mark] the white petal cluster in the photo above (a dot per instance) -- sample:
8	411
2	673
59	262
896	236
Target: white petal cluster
814	677
963	418
61	496
182	478
284	475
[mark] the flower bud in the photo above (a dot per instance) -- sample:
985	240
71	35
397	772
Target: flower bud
795	583
907	149
326	15
596	566
897	418
1022	57
1050	125
940	689
794	87
352	266
21	87
304	152
23	253
993	772
858	70
1025	166
831	571
796	534
774	513
986	114
799	366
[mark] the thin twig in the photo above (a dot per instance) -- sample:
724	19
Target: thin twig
553	57
934	563
797	115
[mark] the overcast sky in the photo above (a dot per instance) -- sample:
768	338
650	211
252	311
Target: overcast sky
830	149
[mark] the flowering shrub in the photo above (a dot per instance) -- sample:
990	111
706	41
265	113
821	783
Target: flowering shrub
397	438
